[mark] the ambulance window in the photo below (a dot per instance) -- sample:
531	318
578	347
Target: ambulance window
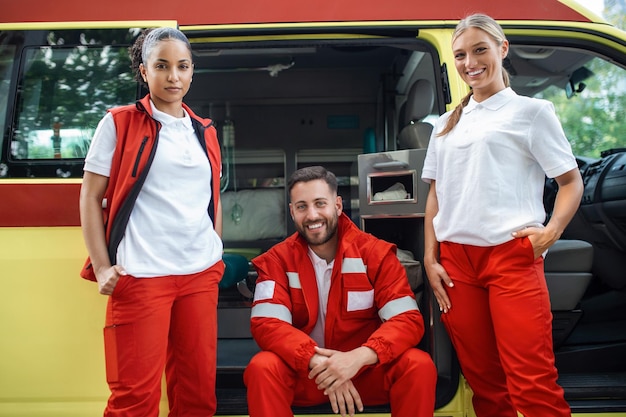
63	92
591	107
591	103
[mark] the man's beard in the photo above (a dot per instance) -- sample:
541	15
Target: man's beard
319	240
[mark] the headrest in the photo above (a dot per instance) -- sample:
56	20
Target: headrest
420	101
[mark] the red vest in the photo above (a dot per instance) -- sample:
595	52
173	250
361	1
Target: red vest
137	139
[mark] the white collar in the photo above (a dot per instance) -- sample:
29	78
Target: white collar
320	262
167	119
492	103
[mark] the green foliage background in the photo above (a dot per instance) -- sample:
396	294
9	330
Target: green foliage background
595	119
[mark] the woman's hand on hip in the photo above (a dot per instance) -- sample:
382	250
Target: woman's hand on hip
540	238
108	278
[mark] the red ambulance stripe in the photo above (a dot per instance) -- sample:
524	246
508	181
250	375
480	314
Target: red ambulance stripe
201	12
32	205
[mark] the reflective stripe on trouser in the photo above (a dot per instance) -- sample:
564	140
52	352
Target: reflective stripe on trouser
408	384
166	322
501	326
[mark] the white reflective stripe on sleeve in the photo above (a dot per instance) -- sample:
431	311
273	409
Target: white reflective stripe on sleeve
294	280
264	290
352	265
397	306
275	311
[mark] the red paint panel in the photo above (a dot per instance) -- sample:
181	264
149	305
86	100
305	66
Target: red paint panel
23	205
199	12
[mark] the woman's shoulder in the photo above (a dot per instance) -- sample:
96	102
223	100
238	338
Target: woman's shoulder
531	103
537	111
123	109
443	119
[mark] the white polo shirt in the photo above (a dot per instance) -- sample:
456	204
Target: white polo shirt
169	231
323	273
490	169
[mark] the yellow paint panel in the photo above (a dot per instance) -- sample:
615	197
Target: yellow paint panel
51	322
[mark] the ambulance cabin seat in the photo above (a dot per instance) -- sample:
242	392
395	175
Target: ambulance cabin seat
567	269
419	104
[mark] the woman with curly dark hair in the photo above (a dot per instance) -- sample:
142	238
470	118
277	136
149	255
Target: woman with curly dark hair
154	169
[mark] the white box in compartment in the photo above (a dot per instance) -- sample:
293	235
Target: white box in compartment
390	183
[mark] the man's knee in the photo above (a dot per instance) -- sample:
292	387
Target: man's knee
419	362
264	366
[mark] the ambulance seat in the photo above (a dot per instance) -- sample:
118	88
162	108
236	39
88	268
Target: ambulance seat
567	268
419	104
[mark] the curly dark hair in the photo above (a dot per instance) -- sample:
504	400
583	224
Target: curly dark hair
144	44
134	51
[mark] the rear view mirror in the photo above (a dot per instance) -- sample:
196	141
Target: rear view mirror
575	83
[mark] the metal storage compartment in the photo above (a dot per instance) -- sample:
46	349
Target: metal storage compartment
390	183
392	200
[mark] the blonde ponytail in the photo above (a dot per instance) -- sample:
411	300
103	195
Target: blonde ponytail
456	115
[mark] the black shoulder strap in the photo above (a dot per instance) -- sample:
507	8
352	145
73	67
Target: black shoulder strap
118	228
199	129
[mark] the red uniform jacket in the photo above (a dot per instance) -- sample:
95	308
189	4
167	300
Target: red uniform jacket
137	140
370	302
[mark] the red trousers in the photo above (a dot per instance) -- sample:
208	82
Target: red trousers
500	324
408	384
155	323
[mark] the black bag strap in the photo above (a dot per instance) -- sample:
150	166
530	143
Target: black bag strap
118	228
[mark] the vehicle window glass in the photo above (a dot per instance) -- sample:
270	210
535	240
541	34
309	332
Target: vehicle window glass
592	107
63	93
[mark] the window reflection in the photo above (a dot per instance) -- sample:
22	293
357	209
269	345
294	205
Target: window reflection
63	93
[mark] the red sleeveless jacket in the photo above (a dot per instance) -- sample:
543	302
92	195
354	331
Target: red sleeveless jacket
137	140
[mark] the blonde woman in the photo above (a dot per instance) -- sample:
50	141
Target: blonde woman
484	233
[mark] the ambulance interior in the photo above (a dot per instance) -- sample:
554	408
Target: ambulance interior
328	102
363	107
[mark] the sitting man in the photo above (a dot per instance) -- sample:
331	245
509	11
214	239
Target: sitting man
334	316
